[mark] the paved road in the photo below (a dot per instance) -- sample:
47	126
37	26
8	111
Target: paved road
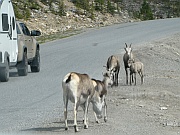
26	102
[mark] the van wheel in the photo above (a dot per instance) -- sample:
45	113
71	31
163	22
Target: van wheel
23	66
35	66
4	72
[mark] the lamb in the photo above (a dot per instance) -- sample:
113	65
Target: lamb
136	67
80	90
113	67
128	55
101	88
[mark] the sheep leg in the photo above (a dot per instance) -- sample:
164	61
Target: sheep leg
75	116
116	78
96	119
105	110
134	78
65	111
126	76
141	75
86	112
131	76
83	107
142	78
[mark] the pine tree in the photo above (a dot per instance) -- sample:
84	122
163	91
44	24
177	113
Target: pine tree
110	8
99	5
146	12
83	4
61	8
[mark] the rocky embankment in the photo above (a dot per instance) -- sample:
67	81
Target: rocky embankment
49	23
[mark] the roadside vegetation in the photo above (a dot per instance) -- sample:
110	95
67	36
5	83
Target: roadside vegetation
59	35
142	9
93	9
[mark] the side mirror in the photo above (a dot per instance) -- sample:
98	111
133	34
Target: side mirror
35	33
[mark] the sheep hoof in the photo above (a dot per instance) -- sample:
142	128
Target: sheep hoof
97	121
105	119
85	126
76	129
66	128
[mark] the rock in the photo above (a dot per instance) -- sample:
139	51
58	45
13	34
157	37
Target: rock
141	106
163	108
178	124
67	14
124	17
169	123
32	15
68	27
172	124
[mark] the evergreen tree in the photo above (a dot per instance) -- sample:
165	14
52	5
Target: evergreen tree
99	5
146	12
92	11
61	8
83	4
110	8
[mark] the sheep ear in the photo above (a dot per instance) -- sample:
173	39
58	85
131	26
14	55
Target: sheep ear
106	74
103	74
126	45
130	45
105	67
102	93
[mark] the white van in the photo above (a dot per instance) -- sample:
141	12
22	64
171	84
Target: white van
8	39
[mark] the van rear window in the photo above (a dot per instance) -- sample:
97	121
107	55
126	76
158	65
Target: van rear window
5	24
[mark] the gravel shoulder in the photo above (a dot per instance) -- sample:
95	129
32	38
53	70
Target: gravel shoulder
152	108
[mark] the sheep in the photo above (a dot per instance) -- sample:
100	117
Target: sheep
128	55
113	67
80	90
136	67
101	88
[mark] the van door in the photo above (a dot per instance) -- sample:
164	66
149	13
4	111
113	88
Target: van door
12	35
5	42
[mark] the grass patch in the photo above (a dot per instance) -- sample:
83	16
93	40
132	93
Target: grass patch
46	38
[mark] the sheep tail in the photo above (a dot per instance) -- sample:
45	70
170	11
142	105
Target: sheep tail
67	78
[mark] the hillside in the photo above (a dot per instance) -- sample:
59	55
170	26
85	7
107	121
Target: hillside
58	16
39	16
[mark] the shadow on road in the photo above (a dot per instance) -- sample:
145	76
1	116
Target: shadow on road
57	127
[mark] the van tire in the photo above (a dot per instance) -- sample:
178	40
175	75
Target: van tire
35	66
4	72
23	66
